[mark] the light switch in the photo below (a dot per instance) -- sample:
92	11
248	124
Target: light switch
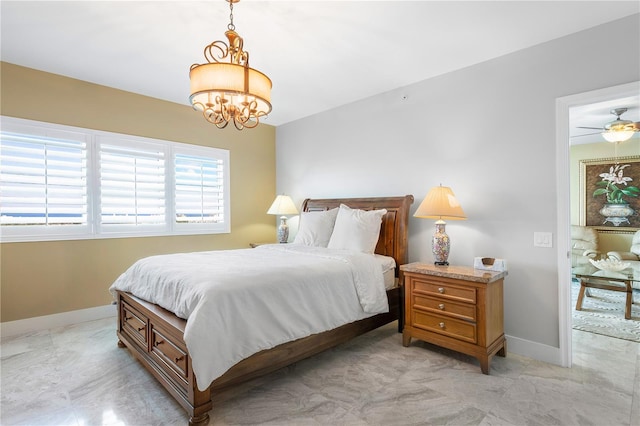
542	239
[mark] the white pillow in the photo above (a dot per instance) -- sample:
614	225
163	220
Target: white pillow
316	227
356	230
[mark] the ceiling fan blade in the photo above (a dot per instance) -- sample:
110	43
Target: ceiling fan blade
586	134
594	128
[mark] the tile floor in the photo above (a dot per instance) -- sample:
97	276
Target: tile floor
76	375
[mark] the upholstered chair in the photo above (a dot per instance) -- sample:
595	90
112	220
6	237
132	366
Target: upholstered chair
632	255
584	245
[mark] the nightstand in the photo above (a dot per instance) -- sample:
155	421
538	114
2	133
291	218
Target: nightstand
254	245
456	307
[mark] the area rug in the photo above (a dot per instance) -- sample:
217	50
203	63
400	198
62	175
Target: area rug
603	313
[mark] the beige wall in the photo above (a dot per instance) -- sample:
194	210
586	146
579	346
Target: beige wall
608	241
43	278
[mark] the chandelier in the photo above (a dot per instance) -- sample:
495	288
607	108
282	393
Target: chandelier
225	88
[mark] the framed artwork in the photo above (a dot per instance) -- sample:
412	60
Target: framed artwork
610	194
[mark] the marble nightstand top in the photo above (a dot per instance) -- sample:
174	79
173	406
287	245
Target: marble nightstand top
466	273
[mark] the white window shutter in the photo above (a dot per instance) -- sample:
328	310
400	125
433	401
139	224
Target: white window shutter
132	185
43	180
199	189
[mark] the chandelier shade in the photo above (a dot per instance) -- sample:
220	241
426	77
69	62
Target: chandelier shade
226	89
213	85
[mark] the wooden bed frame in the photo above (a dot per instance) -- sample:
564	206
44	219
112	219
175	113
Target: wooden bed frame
155	336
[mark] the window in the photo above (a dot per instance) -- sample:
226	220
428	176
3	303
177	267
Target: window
59	182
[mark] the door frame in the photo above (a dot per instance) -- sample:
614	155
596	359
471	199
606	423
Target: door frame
563	201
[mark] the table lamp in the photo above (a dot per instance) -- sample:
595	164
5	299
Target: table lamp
440	203
282	206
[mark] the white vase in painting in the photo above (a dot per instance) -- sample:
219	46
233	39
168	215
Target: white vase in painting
616	213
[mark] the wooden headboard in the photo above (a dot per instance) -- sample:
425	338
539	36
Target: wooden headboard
393	230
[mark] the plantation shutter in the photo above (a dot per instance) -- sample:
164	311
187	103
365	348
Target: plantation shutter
199	189
43	180
132	185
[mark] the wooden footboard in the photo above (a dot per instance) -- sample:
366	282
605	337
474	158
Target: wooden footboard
155	337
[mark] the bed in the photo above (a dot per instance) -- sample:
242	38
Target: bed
156	335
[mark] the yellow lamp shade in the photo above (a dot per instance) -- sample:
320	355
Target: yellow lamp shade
282	205
440	203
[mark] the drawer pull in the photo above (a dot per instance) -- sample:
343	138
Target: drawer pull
158	343
440	289
441	325
178	359
441	306
141	328
126	318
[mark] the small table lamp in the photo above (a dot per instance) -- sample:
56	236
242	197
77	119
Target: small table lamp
282	206
440	203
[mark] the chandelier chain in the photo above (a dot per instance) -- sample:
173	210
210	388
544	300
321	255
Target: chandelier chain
231	26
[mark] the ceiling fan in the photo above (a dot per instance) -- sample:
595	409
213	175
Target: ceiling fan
618	130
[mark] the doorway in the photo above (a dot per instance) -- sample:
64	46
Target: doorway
563	126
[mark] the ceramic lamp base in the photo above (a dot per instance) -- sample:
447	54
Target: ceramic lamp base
283	231
440	245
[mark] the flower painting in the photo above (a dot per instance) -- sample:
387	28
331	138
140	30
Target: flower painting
610	193
615	185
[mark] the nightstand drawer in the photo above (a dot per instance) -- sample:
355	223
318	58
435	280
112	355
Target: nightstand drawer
446	290
447	326
134	324
444	306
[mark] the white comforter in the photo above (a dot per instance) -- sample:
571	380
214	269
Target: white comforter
239	302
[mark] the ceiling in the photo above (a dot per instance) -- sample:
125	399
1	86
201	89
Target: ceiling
319	54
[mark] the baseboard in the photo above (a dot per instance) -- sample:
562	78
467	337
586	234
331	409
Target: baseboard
29	325
516	345
534	350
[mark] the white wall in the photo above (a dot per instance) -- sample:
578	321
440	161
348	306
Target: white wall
488	131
